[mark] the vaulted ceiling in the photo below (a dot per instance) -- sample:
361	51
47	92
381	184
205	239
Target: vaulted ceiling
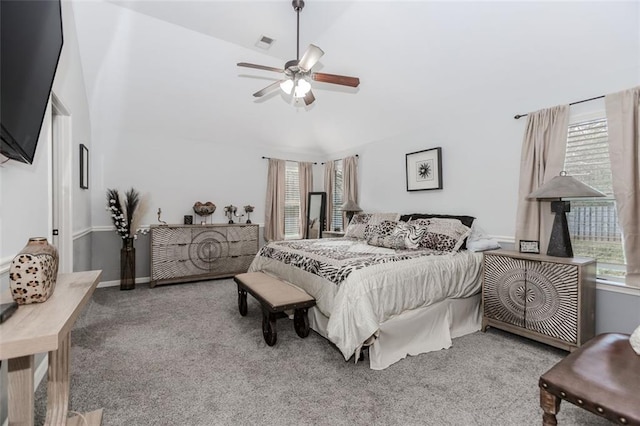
168	68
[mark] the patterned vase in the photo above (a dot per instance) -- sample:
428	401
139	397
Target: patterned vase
33	272
127	265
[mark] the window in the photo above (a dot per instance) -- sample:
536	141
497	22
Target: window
593	222
291	201
336	215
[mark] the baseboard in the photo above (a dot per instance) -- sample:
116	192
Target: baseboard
115	283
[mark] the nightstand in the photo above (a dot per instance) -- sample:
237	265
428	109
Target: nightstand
545	298
332	234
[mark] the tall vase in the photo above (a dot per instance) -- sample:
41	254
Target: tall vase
33	272
127	265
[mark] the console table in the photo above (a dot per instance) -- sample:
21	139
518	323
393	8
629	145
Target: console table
545	298
46	327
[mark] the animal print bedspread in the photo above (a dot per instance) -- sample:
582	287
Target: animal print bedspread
334	260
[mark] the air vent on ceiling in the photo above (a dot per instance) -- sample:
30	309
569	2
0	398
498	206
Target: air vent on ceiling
264	42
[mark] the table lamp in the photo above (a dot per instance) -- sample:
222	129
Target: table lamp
563	186
350	208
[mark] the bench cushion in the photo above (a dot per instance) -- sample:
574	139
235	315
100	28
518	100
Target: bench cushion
276	293
603	376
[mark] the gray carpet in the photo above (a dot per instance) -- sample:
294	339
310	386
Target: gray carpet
183	355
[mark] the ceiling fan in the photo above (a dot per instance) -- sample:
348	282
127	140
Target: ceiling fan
298	71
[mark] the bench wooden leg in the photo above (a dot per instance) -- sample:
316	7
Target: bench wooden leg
551	406
269	327
301	322
242	301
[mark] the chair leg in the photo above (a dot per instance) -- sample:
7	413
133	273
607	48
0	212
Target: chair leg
551	406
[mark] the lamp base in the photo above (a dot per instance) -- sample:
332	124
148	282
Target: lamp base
560	241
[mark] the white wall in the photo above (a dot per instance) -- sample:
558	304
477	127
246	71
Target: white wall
25	190
70	89
578	55
174	174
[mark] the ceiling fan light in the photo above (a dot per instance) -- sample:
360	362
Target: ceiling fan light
302	88
287	86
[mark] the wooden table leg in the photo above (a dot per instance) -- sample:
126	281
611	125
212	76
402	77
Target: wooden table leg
21	388
58	384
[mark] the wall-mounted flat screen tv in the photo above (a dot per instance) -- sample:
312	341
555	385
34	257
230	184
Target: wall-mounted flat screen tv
31	42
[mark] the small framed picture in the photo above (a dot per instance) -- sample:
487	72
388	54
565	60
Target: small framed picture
84	167
529	246
424	170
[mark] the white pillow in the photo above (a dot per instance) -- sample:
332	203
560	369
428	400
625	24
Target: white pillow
634	339
479	240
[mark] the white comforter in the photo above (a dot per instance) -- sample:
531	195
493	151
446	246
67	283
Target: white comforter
370	295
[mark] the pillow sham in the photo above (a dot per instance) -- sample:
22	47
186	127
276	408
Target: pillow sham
466	220
359	222
389	241
444	235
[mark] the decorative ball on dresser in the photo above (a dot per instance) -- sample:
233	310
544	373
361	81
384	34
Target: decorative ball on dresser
33	272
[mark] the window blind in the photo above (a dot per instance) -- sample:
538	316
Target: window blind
337	197
291	201
593	222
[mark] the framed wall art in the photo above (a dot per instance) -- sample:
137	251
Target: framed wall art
529	246
424	170
84	167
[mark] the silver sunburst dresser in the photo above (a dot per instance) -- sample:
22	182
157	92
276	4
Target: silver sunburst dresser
545	298
182	253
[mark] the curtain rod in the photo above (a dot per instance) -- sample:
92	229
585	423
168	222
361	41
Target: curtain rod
357	156
293	161
518	116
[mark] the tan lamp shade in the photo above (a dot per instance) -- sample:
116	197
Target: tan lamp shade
564	186
350	206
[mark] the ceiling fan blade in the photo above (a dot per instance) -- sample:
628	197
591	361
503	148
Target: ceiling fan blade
268	89
309	98
336	79
259	67
310	58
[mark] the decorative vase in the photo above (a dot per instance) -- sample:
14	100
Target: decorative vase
127	265
33	272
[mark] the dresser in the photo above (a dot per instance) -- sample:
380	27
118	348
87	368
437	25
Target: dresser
545	298
182	253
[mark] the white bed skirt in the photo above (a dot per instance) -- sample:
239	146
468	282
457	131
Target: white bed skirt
418	331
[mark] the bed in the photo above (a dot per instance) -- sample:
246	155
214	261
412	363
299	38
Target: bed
372	291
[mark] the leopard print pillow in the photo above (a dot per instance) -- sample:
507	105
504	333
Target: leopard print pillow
388	241
359	222
382	229
445	235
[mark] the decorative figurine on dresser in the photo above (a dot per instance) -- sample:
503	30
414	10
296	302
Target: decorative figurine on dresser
545	298
181	253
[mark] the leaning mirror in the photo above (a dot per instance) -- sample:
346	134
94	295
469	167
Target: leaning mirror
316	214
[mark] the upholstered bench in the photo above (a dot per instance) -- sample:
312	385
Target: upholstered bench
275	296
602	376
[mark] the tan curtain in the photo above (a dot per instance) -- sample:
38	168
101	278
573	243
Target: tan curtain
542	158
623	121
329	182
274	209
349	182
305	179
